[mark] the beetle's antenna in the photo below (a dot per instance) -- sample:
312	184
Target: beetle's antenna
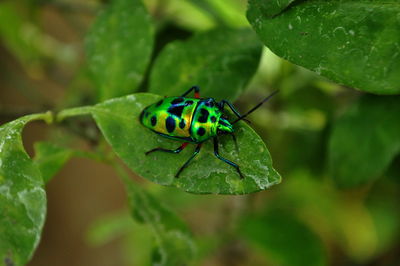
255	107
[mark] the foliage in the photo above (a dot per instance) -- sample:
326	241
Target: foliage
118	119
357	40
174	245
182	64
22	198
324	138
279	230
354	140
119	48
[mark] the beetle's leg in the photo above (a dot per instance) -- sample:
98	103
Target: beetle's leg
196	92
236	112
225	160
188	161
178	150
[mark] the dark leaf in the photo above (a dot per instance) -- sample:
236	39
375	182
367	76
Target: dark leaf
119	47
365	140
355	43
220	61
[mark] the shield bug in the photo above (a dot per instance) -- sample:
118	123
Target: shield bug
192	120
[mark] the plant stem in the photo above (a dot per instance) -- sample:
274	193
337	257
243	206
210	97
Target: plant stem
47	117
84	110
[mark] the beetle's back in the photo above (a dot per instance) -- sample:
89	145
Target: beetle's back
171	117
205	120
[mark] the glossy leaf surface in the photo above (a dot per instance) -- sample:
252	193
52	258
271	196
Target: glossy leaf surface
22	196
220	61
273	8
118	119
119	47
351	42
365	140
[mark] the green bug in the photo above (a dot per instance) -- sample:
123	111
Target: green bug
192	120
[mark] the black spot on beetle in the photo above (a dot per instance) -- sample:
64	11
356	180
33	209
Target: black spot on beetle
176	110
188	103
159	103
213	119
201	131
204	116
170	124
178	100
182	124
153	120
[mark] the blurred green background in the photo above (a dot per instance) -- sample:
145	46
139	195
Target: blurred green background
309	219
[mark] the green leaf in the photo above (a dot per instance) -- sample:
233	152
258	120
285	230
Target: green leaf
28	42
185	14
118	120
119	47
365	140
12	27
285	239
50	158
108	228
220	61
351	42
140	239
331	213
174	245
383	207
22	196
272	8
232	12
393	171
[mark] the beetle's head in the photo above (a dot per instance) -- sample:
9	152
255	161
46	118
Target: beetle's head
224	126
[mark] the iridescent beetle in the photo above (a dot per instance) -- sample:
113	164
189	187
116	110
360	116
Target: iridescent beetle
192	120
